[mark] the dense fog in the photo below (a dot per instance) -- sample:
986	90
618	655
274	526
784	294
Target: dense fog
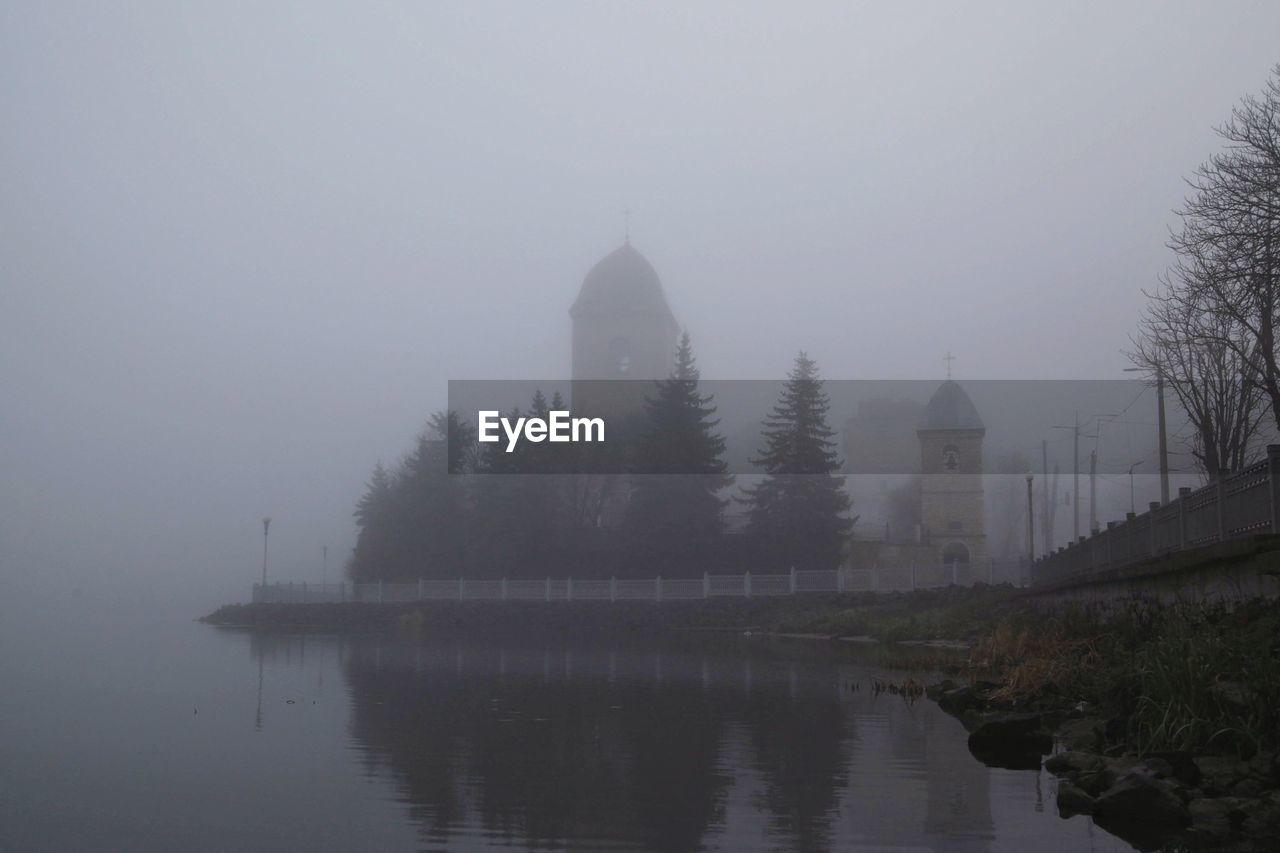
245	248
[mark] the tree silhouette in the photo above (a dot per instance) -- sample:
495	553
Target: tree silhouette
798	513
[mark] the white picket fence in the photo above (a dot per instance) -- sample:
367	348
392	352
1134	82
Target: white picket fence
745	585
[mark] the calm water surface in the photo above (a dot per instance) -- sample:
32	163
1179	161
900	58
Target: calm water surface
159	734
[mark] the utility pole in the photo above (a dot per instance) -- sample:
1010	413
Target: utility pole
1164	441
1093	492
1075	477
1133	503
1031	525
324	570
1075	483
1044	496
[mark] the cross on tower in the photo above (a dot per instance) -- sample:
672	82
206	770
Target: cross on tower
948	358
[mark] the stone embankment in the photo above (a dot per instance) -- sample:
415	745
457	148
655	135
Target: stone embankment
1164	799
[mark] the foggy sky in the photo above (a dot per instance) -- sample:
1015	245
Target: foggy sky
242	249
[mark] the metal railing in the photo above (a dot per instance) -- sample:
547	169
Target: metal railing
1245	503
657	589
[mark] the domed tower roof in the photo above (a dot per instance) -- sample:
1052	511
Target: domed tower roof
950	408
625	283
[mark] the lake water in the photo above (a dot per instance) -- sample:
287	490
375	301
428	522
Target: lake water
164	734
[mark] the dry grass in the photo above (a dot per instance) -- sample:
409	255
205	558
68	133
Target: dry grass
1032	659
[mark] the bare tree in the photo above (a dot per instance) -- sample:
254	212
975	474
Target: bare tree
1224	290
1199	352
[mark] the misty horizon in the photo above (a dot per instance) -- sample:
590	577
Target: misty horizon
245	255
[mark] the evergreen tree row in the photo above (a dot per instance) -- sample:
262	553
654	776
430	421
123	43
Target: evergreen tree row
517	515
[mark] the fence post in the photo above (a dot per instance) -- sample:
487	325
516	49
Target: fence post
657	588
568	589
420	591
613	588
504	587
379	592
793	580
1273	478
706	585
746	584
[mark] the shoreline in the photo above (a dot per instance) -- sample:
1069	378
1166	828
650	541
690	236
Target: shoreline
1076	690
950	618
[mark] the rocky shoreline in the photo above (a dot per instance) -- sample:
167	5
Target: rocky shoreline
1153	801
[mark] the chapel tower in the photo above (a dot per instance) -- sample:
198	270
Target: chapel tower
951	487
623	329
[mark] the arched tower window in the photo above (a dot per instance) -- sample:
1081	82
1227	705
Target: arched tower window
951	458
620	355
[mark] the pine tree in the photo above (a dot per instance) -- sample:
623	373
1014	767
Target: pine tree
799	512
519	503
675	513
375	520
434	515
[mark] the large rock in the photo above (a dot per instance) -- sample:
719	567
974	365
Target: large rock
1081	735
1140	797
1073	801
1070	763
1010	728
1265	766
933	691
1214	820
1262	817
1218	773
1012	741
1182	766
958	700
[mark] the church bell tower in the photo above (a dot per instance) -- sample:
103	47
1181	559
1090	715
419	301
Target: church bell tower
624	335
951	486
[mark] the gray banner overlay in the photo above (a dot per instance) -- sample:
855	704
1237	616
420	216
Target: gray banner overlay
880	428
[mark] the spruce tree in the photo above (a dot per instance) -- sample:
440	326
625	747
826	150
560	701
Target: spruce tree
799	512
674	517
375	520
519	503
435	517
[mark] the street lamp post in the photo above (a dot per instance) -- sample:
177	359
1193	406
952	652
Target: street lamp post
266	527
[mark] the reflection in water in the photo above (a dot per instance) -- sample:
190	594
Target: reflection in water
731	747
